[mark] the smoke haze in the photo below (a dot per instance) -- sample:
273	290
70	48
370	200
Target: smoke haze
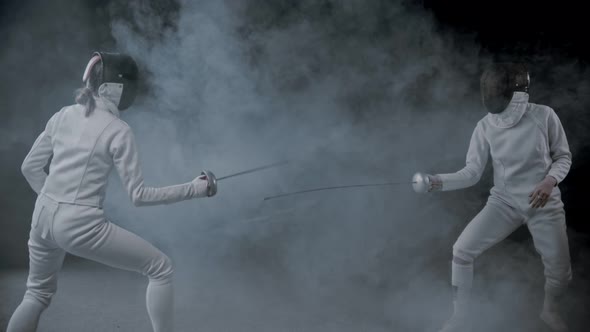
349	92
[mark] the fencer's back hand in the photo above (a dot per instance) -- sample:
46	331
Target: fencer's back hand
542	192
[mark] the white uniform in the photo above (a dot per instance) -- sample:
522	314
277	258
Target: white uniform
68	215
527	142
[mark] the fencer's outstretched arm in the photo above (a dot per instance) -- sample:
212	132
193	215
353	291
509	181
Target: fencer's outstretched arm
126	160
558	148
36	160
477	157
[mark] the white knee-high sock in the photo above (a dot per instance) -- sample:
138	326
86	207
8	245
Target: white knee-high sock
550	313
553	295
26	316
160	304
462	280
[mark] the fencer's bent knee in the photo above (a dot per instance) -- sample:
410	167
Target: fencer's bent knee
558	276
462	255
160	268
40	293
461	261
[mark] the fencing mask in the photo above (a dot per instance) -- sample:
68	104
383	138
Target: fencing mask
114	76
499	82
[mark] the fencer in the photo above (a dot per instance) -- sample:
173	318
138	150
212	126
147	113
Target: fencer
530	157
86	141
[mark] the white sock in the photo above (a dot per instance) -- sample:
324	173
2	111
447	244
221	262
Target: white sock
26	317
462	280
160	305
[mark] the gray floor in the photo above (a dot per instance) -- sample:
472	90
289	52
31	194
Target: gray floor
97	298
250	281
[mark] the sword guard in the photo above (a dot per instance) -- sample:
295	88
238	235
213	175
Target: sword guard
211	182
421	182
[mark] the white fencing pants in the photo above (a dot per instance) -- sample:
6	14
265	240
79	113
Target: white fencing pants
84	231
547	226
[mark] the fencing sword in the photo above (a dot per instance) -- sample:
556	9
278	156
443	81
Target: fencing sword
420	182
253	170
212	179
336	187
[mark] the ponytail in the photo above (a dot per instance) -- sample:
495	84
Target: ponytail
85	97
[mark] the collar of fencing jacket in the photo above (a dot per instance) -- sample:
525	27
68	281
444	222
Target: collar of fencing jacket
513	113
106	104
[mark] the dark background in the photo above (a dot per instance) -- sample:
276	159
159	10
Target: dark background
47	44
36	82
540	35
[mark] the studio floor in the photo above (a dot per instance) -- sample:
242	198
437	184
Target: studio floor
95	298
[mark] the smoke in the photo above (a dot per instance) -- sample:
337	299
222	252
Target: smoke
349	92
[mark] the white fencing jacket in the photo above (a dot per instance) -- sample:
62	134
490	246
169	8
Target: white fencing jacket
526	141
85	149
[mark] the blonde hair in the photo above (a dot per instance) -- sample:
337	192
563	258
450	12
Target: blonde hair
85	97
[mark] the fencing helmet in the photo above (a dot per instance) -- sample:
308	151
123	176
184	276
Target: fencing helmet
499	82
114	76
